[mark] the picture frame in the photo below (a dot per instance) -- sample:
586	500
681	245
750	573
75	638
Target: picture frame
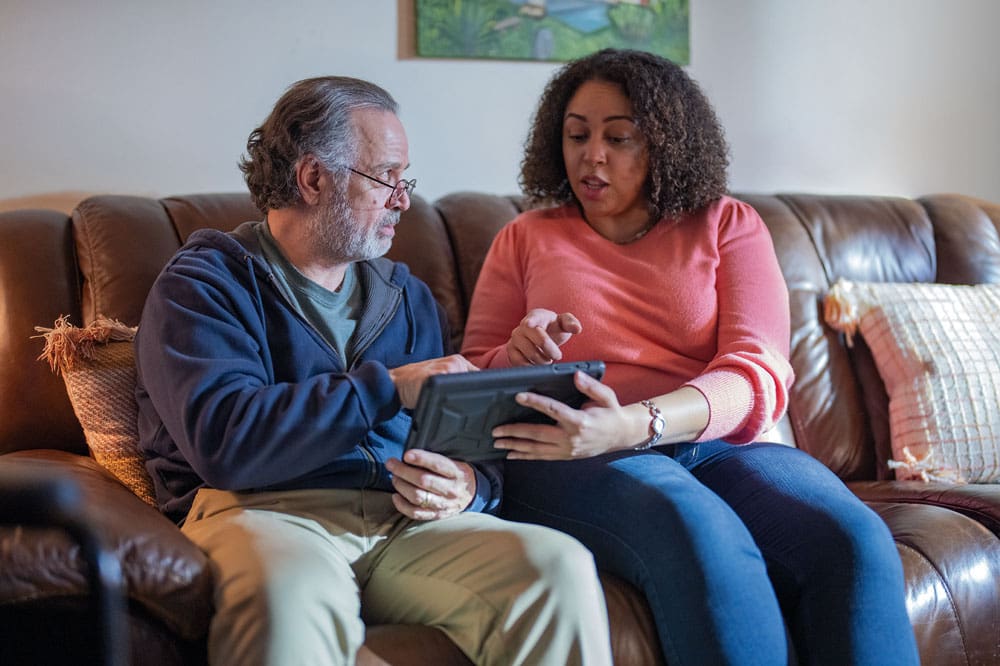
544	30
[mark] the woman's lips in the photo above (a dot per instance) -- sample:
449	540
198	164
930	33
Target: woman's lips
592	188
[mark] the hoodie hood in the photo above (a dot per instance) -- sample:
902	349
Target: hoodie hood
384	280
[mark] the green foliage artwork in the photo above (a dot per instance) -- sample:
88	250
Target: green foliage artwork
557	30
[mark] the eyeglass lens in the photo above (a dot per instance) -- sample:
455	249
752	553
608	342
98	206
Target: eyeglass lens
397	189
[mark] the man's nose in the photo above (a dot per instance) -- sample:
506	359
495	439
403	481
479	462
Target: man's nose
400	201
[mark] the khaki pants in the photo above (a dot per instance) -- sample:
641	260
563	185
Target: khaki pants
298	573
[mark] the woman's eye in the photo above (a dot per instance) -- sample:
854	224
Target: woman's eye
619	139
577	137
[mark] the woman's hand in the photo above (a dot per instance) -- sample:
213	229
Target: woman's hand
599	426
430	486
537	339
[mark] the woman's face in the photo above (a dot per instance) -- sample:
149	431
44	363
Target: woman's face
606	160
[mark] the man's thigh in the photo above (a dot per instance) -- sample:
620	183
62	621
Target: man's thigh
283	584
433	571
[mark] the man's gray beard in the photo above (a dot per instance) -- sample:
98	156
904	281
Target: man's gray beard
340	237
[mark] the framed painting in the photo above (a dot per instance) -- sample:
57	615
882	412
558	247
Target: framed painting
549	30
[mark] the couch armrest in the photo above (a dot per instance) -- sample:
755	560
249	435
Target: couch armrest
163	570
951	564
48	498
981	502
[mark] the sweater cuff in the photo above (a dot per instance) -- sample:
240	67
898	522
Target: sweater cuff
494	358
730	398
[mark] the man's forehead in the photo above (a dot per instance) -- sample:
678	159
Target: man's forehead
381	137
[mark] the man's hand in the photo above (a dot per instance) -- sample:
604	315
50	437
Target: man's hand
409	378
537	339
430	486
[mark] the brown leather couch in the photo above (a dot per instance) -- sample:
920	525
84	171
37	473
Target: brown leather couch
103	258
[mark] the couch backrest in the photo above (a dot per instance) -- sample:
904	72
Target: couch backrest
838	408
38	283
104	259
123	242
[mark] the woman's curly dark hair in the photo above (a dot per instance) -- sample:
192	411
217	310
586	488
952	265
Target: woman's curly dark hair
312	117
688	153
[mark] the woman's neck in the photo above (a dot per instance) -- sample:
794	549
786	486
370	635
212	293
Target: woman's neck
623	229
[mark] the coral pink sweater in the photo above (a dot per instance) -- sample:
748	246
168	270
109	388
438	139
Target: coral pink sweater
701	302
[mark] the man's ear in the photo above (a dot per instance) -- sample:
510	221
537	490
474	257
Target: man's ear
309	173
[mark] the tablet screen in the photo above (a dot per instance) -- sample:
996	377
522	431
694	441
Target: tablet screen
455	413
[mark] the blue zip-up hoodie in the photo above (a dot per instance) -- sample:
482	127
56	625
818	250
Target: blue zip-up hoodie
236	391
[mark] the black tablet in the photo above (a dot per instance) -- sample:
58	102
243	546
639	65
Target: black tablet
455	413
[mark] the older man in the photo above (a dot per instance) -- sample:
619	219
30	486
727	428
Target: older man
275	363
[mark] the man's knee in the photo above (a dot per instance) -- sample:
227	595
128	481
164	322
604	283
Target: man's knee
563	563
288	617
559	614
283	603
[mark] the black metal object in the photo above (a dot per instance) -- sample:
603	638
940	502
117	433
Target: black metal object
32	497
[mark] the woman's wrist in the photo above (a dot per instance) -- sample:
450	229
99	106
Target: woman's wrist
636	427
657	425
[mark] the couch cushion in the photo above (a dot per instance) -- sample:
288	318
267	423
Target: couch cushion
122	243
937	349
966	238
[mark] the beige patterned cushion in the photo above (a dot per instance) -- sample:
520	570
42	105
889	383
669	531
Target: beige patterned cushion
97	364
937	349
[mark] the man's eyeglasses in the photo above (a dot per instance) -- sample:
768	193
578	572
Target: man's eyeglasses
397	190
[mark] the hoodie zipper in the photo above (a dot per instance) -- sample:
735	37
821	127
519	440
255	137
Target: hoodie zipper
363	445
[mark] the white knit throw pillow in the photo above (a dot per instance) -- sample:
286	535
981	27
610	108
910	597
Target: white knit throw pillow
937	349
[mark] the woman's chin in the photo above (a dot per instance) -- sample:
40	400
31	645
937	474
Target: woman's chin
591	194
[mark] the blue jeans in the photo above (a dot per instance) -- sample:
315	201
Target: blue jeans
730	544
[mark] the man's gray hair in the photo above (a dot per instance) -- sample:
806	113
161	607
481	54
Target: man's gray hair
313	117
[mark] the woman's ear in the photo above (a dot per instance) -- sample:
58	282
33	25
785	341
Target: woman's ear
309	173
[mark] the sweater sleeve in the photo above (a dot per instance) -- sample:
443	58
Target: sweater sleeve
746	383
498	302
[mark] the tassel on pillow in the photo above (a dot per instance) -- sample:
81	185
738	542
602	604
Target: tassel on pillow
65	343
840	310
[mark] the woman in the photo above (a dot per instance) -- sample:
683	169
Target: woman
645	263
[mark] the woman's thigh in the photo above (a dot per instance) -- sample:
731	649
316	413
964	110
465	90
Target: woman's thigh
650	521
832	561
799	512
635	510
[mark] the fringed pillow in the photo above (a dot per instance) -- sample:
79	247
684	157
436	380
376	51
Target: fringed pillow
937	349
97	363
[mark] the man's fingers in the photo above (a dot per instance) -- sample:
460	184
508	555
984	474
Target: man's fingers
421	461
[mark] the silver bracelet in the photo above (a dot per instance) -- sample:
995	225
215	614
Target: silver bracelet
656	425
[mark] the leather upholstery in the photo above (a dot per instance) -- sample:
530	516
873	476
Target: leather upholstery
103	258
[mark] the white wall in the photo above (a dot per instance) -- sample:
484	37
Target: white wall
137	96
